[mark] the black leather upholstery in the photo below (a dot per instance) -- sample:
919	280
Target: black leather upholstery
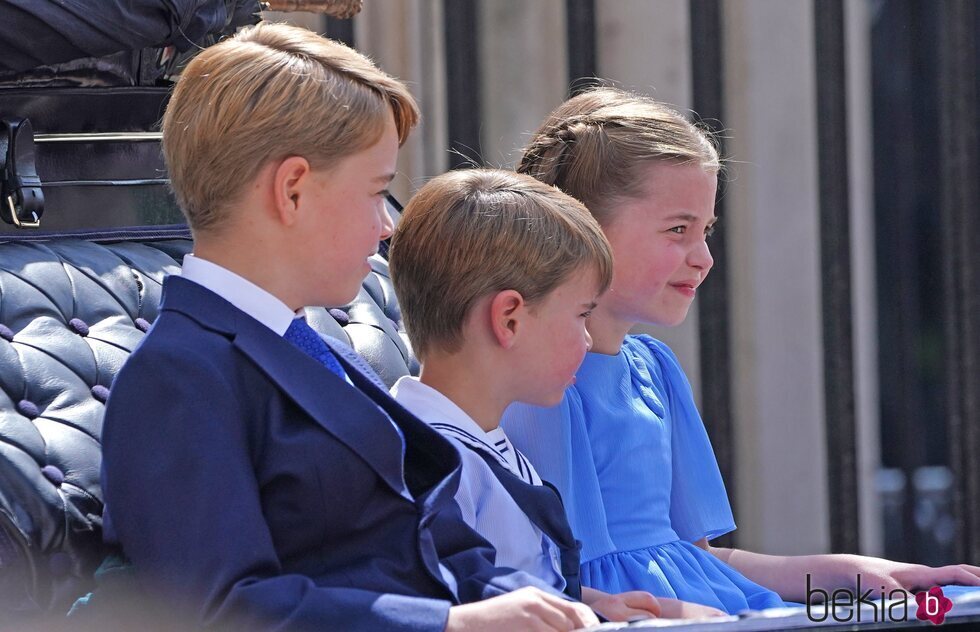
71	311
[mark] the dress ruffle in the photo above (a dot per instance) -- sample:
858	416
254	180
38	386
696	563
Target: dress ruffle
679	570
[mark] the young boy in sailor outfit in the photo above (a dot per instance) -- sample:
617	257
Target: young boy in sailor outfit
496	275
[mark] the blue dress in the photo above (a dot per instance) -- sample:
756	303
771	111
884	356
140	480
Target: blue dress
629	453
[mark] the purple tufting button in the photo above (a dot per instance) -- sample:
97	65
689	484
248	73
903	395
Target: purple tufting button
6	334
340	316
28	409
59	564
100	393
53	474
142	324
78	326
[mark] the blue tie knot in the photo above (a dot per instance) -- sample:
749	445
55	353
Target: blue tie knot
309	342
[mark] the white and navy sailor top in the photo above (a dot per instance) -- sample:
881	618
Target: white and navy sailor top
484	502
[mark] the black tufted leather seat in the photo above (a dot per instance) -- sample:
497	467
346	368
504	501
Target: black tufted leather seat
71	311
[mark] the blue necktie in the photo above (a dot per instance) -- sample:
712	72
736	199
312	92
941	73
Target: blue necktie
302	335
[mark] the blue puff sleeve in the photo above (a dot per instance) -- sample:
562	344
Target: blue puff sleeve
699	504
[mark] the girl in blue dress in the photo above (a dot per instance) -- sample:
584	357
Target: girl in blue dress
626	447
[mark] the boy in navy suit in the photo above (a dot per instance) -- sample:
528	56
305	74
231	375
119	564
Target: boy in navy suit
256	474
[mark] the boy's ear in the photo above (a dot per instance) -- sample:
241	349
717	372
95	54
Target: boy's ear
290	179
507	309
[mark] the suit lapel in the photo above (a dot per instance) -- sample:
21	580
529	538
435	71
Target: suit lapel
343	411
432	462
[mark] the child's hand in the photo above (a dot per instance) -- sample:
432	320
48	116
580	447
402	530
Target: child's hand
677	609
892	575
627	606
523	609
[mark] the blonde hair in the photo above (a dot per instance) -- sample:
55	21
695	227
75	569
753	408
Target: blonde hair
468	234
595	146
270	92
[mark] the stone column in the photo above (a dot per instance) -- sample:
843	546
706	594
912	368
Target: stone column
773	240
523	67
865	321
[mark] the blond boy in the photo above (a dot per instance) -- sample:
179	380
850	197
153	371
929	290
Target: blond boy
256	474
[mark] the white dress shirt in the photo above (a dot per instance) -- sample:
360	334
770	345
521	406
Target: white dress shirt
484	502
240	292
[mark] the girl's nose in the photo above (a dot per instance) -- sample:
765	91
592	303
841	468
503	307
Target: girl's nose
700	256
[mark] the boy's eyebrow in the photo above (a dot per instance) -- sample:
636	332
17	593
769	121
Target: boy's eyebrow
591	305
385	178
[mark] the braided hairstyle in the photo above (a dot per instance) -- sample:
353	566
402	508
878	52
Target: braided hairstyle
595	146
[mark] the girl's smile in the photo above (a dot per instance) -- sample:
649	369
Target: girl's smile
660	251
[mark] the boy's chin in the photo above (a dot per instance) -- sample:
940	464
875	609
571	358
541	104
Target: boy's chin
338	297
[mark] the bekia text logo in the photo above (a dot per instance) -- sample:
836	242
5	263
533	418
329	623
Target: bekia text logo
933	605
844	606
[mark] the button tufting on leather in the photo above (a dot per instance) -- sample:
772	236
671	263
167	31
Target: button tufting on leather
79	326
340	316
39	284
28	409
100	393
53	474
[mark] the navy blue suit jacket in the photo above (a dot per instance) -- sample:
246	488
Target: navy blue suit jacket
246	482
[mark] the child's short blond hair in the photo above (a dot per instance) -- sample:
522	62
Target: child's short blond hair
469	234
270	92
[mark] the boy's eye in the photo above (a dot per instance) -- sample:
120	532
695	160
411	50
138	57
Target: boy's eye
709	231
680	230
383	193
586	314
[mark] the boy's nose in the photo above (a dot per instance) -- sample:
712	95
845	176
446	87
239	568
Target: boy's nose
588	340
387	225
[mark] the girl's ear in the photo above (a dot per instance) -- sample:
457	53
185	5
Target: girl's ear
507	310
290	179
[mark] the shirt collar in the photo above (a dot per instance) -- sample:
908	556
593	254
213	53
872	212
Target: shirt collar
240	292
434	408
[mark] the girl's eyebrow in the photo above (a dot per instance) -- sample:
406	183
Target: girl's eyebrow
687	217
